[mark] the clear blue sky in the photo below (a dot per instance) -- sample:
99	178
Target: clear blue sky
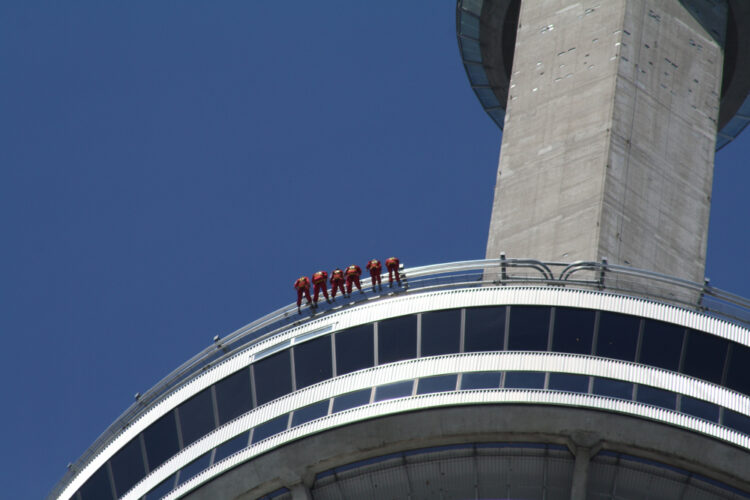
168	169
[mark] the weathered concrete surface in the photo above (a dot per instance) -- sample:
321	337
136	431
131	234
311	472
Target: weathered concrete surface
609	136
579	429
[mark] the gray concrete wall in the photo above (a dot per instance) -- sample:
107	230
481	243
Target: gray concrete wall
609	136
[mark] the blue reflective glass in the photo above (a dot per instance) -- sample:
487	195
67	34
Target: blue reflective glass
270	428
498	115
737	421
477	75
441	332
274	494
273	377
737	374
231	447
127	466
485	329
233	396
194	468
393	391
613	388
487	97
196	417
524	380
529	328
470	50
309	413
397	339
656	397
473	6
470	26
440	383
97	487
313	361
351	400
734	127
704	356
662	344
354	349
618	336
574	330
701	409
161	440
161	489
480	380
568	382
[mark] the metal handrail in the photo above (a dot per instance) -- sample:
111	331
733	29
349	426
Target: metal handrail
451	275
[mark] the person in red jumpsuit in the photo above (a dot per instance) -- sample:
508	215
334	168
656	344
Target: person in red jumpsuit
392	264
337	282
320	280
303	286
353	273
375	269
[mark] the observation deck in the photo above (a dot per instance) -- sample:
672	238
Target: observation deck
503	362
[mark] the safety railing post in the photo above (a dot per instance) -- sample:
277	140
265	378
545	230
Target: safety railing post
503	269
602	271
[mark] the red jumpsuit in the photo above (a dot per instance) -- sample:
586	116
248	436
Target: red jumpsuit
375	269
353	273
303	286
320	280
337	282
392	264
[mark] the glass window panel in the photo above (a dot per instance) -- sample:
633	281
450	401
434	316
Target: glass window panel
700	409
613	388
474	6
351	400
310	412
393	391
618	336
228	448
312	361
270	428
470	26
97	487
161	440
162	489
196	417
477	75
470	50
354	349
485	329
497	114
738	377
441	332
487	97
480	380
737	421
397	339
233	396
524	380
529	328
705	356
656	397
568	382
127	466
273	377
662	344
194	468
440	383
574	330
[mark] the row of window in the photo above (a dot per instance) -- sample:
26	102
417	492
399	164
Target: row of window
500	328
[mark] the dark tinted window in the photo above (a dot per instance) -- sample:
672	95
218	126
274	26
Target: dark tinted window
700	409
705	356
618	336
529	328
351	400
127	466
441	332
162	489
574	330
662	345
233	396
311	412
312	361
393	391
273	377
397	339
485	329
568	382
738	376
97	487
737	421
270	428
440	383
354	349
524	380
481	380
193	468
196	416
161	440
656	397
613	388
231	447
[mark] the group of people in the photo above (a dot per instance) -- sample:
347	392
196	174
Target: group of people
350	277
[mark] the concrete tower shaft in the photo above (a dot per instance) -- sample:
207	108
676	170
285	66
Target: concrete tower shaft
609	135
